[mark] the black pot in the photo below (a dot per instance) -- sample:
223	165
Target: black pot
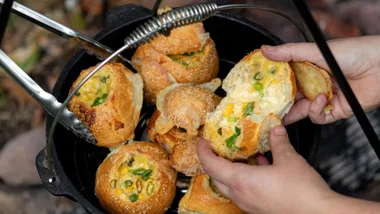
75	162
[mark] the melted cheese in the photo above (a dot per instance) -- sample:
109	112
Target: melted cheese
96	86
138	186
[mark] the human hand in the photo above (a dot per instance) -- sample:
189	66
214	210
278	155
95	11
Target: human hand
359	59
289	185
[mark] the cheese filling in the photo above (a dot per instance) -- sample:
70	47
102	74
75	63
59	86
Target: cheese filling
188	59
95	91
135	178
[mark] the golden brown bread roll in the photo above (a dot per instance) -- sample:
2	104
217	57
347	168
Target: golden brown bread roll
185	159
312	80
187	55
183	152
167	140
136	178
109	103
185	106
259	93
203	198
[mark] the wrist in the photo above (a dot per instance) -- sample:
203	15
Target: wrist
340	204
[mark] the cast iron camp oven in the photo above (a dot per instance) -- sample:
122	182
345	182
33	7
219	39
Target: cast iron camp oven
75	162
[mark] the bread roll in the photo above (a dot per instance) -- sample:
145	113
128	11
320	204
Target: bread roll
259	93
312	80
185	159
167	140
187	55
109	103
136	178
202	197
185	106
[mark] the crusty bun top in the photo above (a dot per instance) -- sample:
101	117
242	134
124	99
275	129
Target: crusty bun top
186	55
203	197
136	178
259	93
185	106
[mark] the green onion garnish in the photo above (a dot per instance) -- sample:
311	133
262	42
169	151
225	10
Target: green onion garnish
249	109
258	76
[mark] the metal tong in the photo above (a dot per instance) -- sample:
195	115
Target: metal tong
48	101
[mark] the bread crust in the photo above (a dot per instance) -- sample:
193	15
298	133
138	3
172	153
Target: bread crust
155	63
114	202
185	157
250	133
185	106
312	80
112	122
200	198
183	148
167	140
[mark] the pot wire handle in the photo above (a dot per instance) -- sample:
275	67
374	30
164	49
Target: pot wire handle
48	101
92	46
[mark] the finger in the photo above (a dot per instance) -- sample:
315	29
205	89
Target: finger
299	111
299	95
261	160
212	164
316	113
225	190
296	52
282	150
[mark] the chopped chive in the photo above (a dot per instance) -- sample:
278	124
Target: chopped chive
127	183
258	86
77	93
220	131
99	100
138	171
130	162
150	188
139	185
231	140
113	183
146	174
249	109
232	119
134	197
104	79
272	70
237	130
258	76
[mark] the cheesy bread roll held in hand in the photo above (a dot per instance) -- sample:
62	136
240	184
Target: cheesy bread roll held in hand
136	178
187	55
167	140
109	103
185	106
203	197
259	93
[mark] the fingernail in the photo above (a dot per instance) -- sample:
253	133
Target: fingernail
280	131
269	48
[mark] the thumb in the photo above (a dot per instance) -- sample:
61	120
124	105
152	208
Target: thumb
280	146
296	52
